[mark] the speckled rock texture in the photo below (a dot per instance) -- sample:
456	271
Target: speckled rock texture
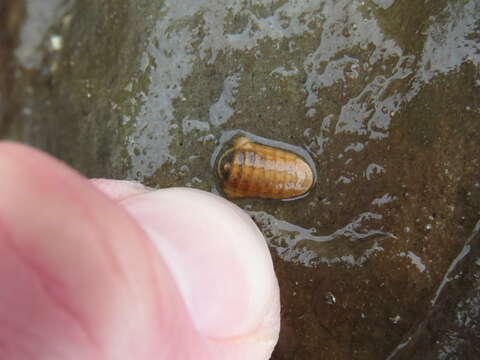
380	260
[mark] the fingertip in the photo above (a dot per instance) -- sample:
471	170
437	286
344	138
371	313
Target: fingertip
218	258
119	189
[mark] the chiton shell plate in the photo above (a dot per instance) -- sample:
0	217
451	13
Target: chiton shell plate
253	170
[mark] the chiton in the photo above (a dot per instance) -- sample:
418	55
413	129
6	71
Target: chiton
254	170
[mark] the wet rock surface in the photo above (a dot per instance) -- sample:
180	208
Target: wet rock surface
384	95
451	329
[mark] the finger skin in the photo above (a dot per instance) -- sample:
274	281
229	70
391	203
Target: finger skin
221	264
81	279
119	189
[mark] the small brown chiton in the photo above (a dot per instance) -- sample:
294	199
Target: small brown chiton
253	170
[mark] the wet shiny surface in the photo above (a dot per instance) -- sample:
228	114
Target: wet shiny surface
383	95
